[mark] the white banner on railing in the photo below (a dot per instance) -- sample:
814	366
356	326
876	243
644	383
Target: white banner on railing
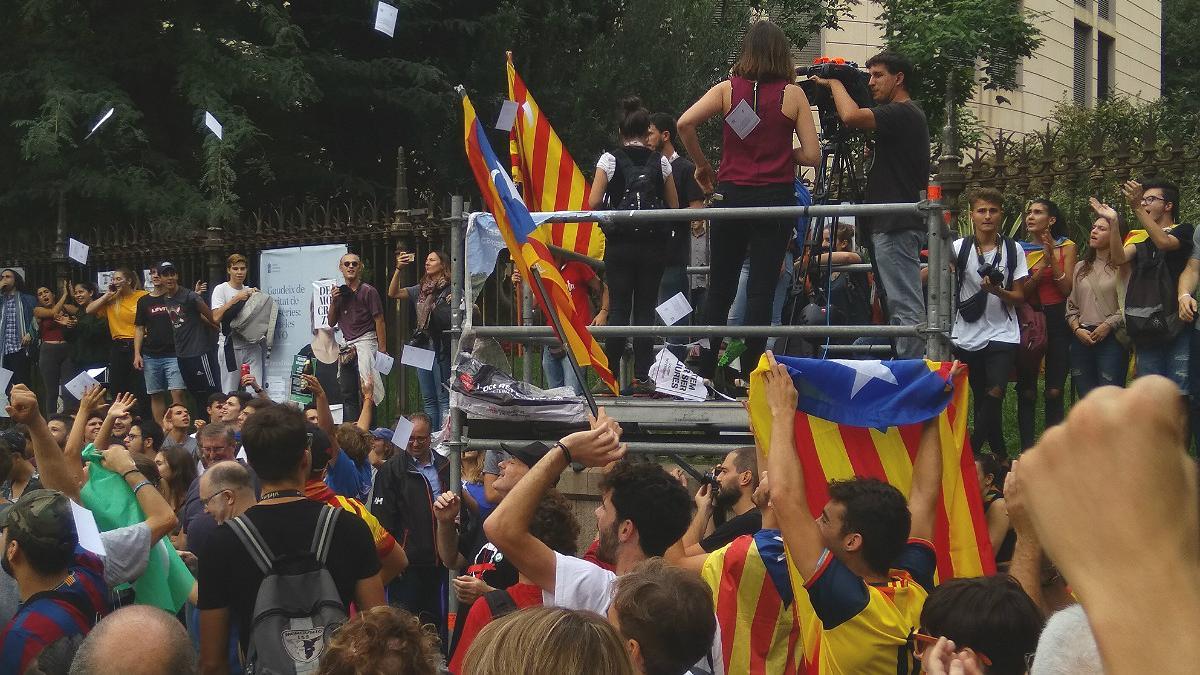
287	274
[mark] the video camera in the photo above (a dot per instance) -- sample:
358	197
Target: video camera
846	72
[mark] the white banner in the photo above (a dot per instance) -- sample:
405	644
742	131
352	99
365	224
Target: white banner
672	377
322	295
287	274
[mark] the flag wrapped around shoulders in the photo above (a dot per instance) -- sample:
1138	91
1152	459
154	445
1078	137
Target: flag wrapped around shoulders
548	176
517	227
167	581
1034	252
864	418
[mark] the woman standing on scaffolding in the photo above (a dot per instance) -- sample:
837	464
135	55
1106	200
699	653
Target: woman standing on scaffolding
762	109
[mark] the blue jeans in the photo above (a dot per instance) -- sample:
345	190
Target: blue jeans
1098	365
559	372
898	264
162	373
1169	359
434	393
737	312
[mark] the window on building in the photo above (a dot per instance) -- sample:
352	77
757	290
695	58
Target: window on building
1105	9
1083	53
1106	51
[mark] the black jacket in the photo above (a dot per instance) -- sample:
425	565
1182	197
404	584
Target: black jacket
403	503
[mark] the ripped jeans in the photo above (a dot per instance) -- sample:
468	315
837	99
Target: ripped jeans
1169	359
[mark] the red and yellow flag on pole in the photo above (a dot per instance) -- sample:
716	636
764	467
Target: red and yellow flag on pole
548	176
517	228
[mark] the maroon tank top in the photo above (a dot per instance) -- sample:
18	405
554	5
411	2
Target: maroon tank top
764	156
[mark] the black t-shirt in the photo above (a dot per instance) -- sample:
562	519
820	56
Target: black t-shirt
684	173
229	578
483	560
193	337
153	315
900	167
1176	260
747	523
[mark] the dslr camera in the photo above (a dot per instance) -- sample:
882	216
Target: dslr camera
990	271
846	72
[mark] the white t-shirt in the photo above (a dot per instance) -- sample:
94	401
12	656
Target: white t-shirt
579	584
222	295
999	321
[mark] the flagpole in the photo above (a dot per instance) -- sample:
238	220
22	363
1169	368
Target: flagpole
579	376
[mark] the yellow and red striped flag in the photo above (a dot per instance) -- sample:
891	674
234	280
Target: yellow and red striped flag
548	176
879	409
516	226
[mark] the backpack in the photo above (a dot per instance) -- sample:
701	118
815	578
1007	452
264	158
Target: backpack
297	607
500	603
975	305
255	321
643	184
1151	307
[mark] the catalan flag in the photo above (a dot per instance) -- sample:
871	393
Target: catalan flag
846	421
547	174
517	227
1035	252
755	606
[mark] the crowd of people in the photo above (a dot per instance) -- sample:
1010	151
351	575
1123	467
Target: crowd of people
315	545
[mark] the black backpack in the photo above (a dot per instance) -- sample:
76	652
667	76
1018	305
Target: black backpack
1151	307
634	188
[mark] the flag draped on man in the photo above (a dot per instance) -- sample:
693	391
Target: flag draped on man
864	418
517	227
547	174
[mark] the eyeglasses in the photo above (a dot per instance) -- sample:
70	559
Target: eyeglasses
204	502
1150	199
921	642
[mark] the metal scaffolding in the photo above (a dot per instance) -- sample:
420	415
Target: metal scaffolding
676	427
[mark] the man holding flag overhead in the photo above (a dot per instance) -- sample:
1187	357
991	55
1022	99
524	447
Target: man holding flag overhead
867	562
517	227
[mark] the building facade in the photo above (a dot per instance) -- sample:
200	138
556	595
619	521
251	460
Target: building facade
1091	49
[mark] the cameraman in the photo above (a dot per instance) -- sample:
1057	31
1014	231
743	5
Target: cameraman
899	171
991	272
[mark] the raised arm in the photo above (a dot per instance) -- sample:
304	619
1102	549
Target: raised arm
367	387
321	401
1118	252
95	305
54	470
445	509
395	289
51	312
1026	565
160	517
849	112
927	474
508	526
119	408
789	498
93	398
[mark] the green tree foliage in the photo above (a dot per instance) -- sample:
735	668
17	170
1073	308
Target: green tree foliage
314	103
1180	60
956	43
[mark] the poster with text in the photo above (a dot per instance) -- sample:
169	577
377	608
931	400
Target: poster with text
287	274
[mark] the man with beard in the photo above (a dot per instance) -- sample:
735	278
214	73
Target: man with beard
737	476
643	512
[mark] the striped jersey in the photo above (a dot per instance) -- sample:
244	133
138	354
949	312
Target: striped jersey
318	491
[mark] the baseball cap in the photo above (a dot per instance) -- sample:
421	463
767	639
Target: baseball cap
529	454
382	433
42	518
165	267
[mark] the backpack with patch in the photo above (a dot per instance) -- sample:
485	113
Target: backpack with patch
297	607
1151	306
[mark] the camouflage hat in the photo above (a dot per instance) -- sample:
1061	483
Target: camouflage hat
41	518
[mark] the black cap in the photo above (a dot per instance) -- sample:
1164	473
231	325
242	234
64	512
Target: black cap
165	267
529	454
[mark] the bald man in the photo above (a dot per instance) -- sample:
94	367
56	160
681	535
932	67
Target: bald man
163	645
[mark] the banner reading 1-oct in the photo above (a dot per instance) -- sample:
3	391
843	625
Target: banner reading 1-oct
288	275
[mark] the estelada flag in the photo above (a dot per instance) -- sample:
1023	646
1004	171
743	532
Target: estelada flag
548	176
517	228
864	418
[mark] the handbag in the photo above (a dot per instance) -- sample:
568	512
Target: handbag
1032	321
